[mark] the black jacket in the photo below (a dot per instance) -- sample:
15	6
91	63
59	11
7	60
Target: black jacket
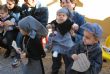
34	48
40	13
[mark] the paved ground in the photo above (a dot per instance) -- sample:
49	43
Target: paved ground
6	68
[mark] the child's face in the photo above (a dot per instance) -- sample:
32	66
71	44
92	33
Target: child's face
70	5
61	17
89	38
10	4
3	14
23	32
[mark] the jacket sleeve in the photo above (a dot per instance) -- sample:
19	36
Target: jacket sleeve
96	63
73	50
79	19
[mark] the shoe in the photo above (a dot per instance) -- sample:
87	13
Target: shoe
54	72
16	63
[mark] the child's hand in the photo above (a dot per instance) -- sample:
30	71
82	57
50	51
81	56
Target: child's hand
23	55
1	24
8	23
72	33
75	27
74	57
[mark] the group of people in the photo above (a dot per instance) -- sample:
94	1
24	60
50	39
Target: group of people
70	35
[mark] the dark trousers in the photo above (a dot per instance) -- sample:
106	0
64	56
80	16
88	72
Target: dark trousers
6	40
57	63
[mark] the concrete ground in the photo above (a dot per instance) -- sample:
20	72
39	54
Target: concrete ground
6	68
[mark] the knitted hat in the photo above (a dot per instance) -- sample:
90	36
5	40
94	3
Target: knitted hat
94	28
65	11
30	25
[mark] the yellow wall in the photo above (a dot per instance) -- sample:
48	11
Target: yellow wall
94	11
105	25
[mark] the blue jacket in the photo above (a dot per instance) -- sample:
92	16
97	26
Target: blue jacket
38	12
15	12
78	19
94	56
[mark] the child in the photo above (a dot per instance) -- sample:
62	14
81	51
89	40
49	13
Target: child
35	9
8	29
91	47
76	17
60	39
32	30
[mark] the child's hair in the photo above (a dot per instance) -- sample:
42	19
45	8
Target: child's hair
16	1
4	8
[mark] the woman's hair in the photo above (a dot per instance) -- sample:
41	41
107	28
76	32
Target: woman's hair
4	8
72	1
16	1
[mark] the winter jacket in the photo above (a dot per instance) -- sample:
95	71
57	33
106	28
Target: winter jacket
38	12
94	54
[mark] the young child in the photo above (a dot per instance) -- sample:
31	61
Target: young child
91	47
60	39
32	30
76	17
8	29
35	9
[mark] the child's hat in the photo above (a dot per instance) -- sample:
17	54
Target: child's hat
65	11
94	28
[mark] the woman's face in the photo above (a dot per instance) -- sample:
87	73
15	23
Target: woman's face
61	17
10	4
89	38
68	4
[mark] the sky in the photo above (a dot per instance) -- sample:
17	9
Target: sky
95	9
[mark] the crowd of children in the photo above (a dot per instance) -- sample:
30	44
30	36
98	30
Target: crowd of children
70	36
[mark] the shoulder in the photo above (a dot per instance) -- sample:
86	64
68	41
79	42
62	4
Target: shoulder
24	6
77	14
17	9
41	3
41	9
